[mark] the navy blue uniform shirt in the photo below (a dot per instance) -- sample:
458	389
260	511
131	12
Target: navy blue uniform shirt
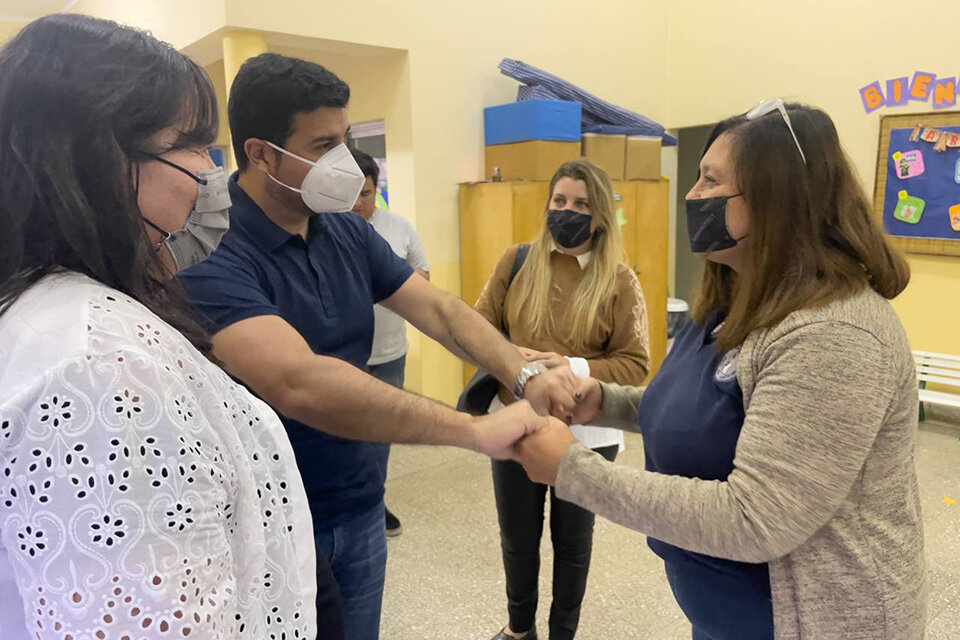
324	288
690	417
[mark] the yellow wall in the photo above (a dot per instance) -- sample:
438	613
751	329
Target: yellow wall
8	29
453	50
930	307
724	58
683	63
215	71
179	22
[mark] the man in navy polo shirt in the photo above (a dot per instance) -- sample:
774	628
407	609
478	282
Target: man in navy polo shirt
289	296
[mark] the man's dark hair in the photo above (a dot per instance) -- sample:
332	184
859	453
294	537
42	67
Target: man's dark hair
367	164
270	90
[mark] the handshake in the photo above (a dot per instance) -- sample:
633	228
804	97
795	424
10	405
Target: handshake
533	431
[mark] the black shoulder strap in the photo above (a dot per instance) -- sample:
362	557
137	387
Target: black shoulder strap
518	261
522	251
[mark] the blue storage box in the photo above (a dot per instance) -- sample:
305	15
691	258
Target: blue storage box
532	120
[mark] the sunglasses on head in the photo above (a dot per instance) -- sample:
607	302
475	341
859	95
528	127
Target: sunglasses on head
769	106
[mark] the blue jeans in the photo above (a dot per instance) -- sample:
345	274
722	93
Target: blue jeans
391	373
357	552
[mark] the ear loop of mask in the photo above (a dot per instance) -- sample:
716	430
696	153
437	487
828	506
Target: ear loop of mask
280	153
136	193
737	240
186	172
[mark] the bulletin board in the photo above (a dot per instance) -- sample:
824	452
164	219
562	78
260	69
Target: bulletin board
917	192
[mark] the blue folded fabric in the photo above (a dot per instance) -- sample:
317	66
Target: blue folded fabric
534	92
540	92
590	122
540	84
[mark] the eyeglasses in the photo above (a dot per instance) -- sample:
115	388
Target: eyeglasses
769	106
187	172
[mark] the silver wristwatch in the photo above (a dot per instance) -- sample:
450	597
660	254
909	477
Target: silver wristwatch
529	370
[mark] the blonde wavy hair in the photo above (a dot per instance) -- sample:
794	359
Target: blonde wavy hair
535	279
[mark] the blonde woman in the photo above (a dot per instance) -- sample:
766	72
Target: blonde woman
572	295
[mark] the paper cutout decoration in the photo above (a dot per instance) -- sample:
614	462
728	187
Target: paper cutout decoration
956	172
920	85
940	137
897	92
909	208
909	164
955	217
871	96
941	144
944	93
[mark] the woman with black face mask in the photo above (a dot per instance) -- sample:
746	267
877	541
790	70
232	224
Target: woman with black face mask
779	489
143	494
573	299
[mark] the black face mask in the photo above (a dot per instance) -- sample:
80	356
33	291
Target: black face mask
569	229
707	224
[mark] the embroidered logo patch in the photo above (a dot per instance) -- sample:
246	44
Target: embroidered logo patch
727	369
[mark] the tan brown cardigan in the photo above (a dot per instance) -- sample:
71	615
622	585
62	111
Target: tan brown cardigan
618	348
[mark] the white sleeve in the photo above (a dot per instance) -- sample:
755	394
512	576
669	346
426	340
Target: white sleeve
416	257
114	503
579	366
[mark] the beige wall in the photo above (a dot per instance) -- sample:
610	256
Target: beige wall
726	57
179	22
215	71
453	50
8	29
683	63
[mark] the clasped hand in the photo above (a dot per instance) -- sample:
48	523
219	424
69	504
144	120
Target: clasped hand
534	431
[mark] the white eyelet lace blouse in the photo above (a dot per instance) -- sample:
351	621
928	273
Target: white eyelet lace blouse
143	494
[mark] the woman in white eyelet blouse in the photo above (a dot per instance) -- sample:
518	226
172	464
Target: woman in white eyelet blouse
140	487
143	494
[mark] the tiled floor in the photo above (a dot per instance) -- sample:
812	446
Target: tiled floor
445	577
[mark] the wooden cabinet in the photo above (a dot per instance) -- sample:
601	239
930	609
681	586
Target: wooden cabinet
496	215
646	212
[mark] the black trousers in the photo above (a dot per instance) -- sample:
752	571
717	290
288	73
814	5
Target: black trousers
330	622
520	509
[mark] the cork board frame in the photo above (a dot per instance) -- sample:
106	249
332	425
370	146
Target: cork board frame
929	246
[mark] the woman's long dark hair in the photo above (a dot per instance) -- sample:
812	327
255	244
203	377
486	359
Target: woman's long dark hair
80	100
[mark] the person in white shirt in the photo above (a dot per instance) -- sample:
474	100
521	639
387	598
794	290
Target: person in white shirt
143	493
388	357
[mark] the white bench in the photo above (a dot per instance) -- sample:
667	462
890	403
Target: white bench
937	368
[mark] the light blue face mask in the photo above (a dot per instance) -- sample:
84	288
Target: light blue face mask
207	223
